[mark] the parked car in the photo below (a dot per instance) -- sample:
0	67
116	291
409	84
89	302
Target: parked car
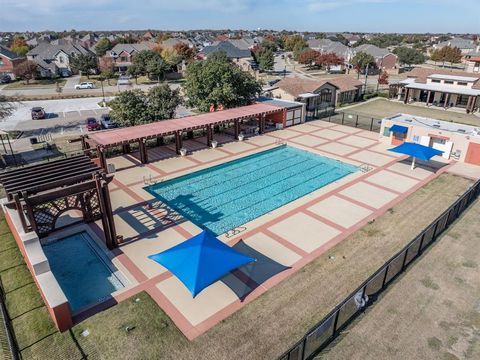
38	113
123	80
84	85
92	124
5	79
107	122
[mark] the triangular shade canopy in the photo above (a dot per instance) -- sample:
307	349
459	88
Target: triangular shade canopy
200	261
416	150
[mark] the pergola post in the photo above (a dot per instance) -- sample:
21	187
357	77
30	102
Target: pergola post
109	214
236	126
428	97
19	207
407	93
474	104
262	124
143	151
209	135
178	141
103	210
447	98
102	157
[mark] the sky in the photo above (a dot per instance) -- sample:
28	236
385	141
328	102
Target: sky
435	16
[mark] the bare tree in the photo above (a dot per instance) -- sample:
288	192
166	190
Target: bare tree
6	107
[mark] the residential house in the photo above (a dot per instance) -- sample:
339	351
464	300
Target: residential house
243	58
89	40
384	59
329	46
318	94
171	42
465	45
122	54
54	60
472	60
9	61
440	87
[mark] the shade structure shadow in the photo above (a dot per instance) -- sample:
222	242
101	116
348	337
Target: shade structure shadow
431	165
145	218
191	210
253	274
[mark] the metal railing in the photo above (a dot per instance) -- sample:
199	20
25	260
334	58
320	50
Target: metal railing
322	334
356	120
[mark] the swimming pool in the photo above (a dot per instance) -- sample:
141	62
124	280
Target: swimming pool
85	276
226	196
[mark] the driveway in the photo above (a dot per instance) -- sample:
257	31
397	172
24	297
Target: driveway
71	82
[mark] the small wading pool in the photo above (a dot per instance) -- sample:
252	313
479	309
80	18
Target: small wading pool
223	197
84	273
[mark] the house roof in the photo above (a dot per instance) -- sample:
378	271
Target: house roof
328	46
231	50
129	48
296	86
8	54
461	43
171	42
421	74
373	50
48	51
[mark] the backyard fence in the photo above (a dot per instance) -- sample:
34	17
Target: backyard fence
7	337
355	120
318	337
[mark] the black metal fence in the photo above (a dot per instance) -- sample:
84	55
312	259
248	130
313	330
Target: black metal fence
355	120
7	337
318	337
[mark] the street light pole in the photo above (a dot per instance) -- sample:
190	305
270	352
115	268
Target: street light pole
103	92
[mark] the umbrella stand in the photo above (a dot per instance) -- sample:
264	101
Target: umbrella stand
413	163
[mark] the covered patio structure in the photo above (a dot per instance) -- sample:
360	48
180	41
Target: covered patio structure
101	141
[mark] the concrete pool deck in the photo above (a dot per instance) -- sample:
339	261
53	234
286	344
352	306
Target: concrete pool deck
283	240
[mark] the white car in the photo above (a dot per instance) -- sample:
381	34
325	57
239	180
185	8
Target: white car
84	85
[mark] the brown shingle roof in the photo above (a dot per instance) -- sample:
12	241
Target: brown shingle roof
420	75
296	86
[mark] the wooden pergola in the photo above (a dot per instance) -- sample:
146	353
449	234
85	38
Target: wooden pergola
176	127
42	193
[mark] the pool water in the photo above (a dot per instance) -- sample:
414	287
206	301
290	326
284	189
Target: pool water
83	275
226	196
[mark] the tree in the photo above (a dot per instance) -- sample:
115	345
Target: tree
107	75
330	59
6	107
129	108
162	102
310	58
269	44
86	63
27	70
447	54
103	45
298	49
134	71
216	81
295	41
19	46
105	63
361	60
265	59
145	61
409	56
156	68
185	52
171	57
383	78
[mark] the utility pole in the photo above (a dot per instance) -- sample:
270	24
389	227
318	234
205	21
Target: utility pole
366	77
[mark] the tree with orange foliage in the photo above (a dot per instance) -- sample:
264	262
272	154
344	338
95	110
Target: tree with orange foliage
310	57
19	46
383	78
184	51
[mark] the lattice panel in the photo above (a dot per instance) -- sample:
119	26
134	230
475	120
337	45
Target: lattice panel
46	215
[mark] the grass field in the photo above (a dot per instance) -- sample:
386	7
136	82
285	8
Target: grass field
35	84
432	311
261	330
380	108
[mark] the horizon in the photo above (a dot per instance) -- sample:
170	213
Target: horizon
357	16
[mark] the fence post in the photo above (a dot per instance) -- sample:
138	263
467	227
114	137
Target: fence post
371	125
356	122
343	117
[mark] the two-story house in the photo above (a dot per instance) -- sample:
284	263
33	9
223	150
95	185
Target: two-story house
8	62
54	60
384	59
122	54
